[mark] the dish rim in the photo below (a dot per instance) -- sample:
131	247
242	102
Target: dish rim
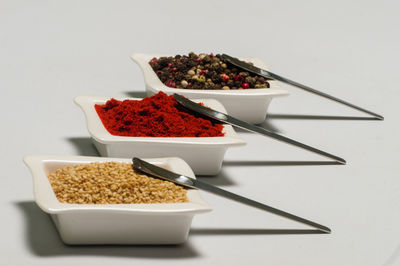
156	85
48	202
100	133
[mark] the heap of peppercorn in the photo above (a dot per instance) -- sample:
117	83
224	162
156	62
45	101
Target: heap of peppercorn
204	72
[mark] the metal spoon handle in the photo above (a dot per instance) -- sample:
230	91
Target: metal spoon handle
320	93
189	182
270	75
242	124
258	205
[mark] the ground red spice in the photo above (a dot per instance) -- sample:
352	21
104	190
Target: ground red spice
156	116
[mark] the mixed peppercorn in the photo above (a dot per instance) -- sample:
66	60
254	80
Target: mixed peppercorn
204	72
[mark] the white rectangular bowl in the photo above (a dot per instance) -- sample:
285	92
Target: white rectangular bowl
250	105
203	154
157	223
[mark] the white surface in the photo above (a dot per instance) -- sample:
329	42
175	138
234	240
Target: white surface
250	105
52	51
80	224
204	155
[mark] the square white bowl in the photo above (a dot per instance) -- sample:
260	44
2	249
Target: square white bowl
250	105
155	223
203	154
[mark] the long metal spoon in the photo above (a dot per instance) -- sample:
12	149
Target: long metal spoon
242	124
188	182
269	75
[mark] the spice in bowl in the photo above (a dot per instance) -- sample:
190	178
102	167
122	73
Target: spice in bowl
204	72
111	183
156	116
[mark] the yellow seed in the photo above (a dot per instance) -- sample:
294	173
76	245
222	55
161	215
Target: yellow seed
111	182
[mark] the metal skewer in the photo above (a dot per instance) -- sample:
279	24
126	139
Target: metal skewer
194	183
269	75
242	124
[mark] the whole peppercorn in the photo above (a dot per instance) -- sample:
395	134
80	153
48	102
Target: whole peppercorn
245	85
203	72
224	65
207	59
170	83
192	63
179	76
197	86
224	77
225	88
215	60
248	79
181	67
191	72
217	86
184	83
237	77
215	78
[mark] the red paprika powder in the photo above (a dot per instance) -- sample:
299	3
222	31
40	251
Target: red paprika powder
156	116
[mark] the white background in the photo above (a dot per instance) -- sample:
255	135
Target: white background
52	51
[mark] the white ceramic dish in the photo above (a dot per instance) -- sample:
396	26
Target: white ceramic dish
160	223
203	154
250	105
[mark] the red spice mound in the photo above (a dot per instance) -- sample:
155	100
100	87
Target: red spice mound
156	116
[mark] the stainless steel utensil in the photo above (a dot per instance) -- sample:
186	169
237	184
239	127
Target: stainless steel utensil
194	183
239	123
269	75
